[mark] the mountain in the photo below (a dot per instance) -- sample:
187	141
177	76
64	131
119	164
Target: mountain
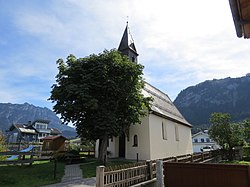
22	113
229	95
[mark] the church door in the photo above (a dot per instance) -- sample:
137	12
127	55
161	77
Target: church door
122	146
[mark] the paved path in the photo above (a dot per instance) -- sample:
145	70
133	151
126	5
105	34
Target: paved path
73	178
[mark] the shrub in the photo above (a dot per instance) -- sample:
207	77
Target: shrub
61	156
246	152
74	152
2	145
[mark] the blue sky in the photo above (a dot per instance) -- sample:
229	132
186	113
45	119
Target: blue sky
180	43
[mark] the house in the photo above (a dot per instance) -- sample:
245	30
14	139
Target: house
43	130
30	132
54	143
241	16
163	132
201	140
18	133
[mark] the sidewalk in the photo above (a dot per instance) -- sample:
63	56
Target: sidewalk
73	178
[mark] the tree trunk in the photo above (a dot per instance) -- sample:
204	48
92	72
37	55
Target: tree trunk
102	154
231	154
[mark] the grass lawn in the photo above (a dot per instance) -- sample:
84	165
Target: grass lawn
240	162
236	162
89	168
40	173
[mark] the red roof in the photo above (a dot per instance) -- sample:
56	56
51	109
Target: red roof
53	137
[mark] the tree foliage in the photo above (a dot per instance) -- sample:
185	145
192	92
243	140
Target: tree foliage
2	145
100	94
228	135
246	127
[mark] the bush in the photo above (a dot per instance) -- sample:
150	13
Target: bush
246	153
74	152
60	156
2	145
64	156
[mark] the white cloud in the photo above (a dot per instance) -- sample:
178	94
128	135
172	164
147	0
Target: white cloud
180	42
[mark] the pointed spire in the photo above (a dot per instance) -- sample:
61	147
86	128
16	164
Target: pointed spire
127	45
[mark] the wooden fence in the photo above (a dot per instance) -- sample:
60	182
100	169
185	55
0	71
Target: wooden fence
126	175
129	175
196	157
22	157
206	175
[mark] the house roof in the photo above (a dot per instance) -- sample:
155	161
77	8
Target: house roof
241	15
55	131
162	105
41	121
23	128
26	130
53	137
200	133
17	126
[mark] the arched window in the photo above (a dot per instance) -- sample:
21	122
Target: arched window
135	141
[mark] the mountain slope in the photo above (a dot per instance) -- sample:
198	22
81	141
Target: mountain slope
229	95
22	113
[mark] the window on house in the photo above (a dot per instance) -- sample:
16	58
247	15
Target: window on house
202	140
135	141
42	126
177	138
207	140
164	131
195	140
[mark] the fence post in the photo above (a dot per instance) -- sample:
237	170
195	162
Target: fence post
150	169
176	159
202	156
159	173
192	158
100	176
55	166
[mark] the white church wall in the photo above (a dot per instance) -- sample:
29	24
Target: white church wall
143	147
177	140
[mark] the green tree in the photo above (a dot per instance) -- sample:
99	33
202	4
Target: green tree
246	127
2	145
100	94
228	135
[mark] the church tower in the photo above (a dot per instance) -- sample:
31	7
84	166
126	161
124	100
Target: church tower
127	45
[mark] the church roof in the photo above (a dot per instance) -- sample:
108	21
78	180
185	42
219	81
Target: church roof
162	105
127	41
